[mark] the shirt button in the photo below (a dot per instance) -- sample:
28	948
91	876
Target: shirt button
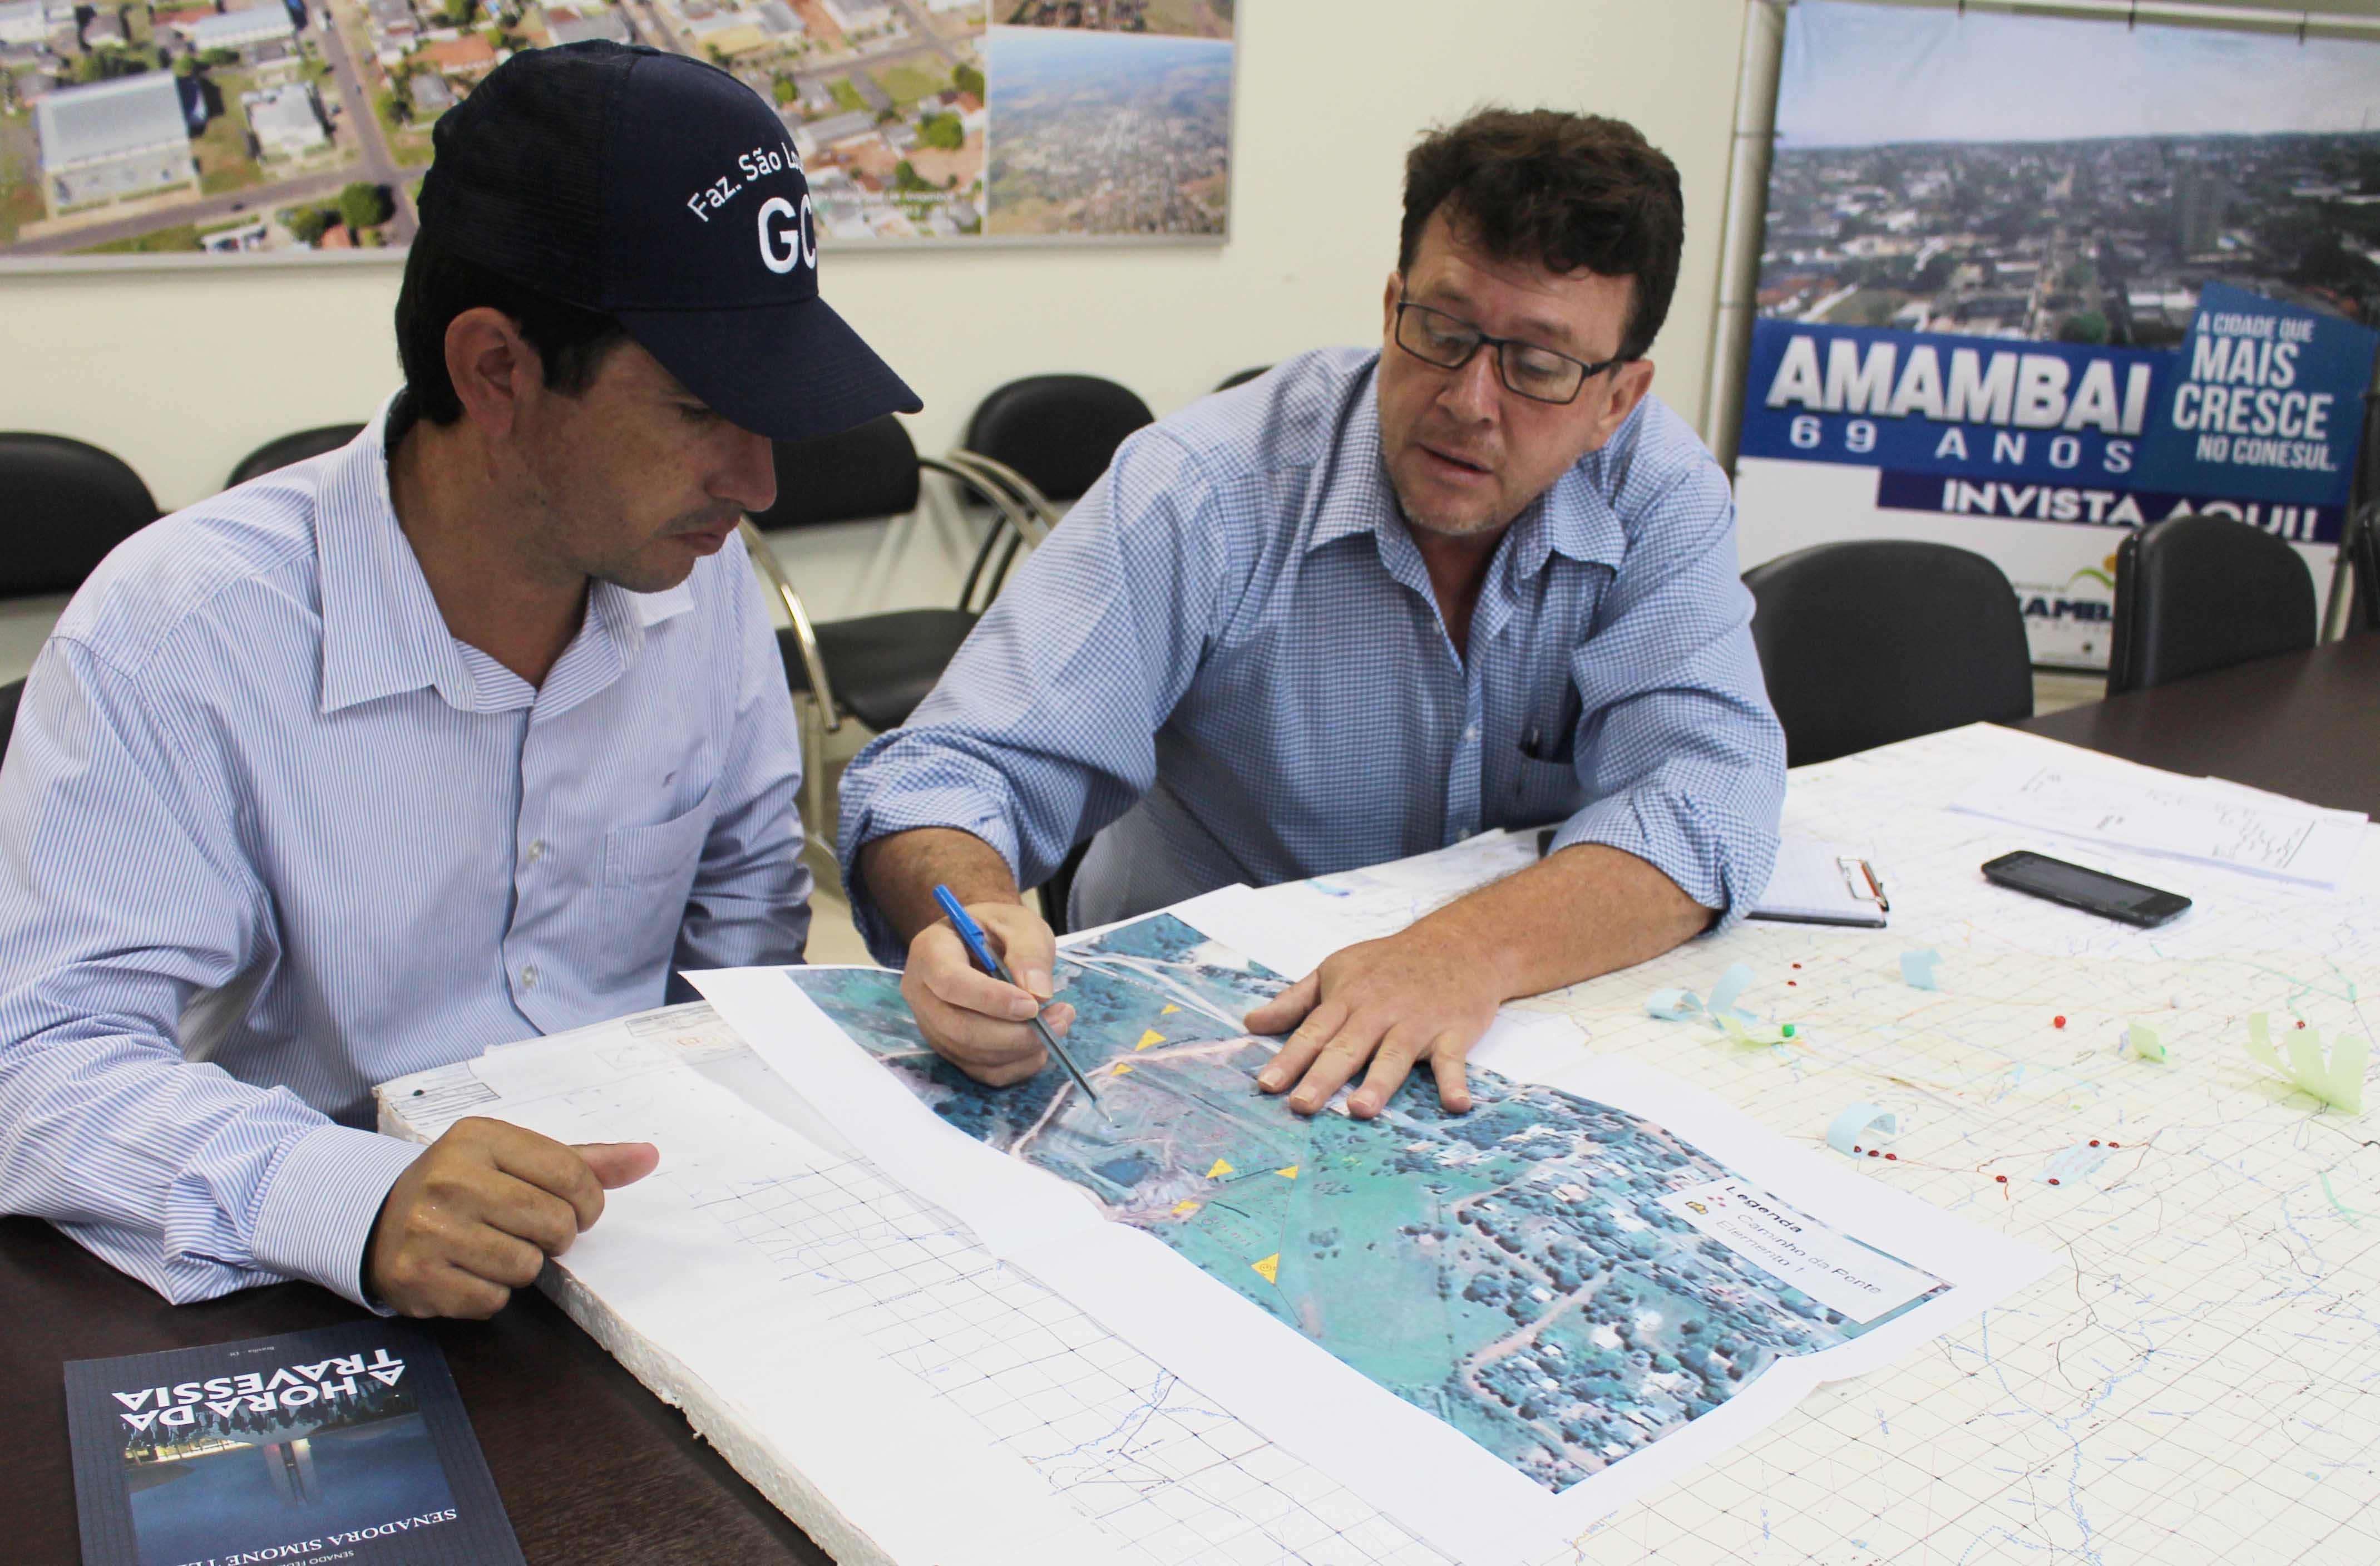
537	851
1471	734
529	977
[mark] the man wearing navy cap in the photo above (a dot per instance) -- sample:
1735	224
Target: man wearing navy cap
472	729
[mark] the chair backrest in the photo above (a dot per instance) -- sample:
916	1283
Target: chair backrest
63	506
1059	431
11	694
294	448
2195	594
1871	641
1241	377
868	472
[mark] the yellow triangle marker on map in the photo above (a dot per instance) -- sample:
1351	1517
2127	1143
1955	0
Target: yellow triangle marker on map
1269	1268
1120	1068
1151	1036
1220	1171
1183	1209
1291	1172
1169	1009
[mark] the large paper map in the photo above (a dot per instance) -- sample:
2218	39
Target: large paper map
1541	1272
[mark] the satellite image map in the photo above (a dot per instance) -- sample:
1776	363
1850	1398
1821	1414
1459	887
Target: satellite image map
1512	1270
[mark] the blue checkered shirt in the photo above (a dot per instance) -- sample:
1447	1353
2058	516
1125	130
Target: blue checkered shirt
1230	651
269	835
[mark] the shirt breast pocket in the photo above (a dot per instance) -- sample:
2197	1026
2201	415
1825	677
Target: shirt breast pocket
1544	791
659	857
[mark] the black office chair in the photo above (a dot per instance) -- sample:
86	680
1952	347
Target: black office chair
1042	441
10	696
2195	593
1055	892
64	503
1058	431
1871	641
2364	566
872	667
1241	377
288	448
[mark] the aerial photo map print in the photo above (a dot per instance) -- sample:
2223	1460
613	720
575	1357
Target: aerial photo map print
1541	1273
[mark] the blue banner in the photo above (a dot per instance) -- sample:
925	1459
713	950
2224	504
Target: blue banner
2255	415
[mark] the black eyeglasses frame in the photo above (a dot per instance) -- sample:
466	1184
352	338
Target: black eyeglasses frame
1586	372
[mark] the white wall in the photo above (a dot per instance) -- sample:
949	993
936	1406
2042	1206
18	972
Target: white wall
181	372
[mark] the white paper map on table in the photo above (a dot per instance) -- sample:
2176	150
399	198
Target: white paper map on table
940	1346
2175	817
1525	1317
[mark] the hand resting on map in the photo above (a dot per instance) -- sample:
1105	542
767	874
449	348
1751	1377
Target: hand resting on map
1412	998
477	1214
1430	991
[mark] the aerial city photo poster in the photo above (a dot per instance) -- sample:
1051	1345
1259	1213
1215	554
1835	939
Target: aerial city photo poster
276	130
2028	281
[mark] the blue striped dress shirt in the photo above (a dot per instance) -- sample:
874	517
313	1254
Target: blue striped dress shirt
269	834
1230	649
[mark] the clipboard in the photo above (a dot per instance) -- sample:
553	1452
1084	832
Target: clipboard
1816	883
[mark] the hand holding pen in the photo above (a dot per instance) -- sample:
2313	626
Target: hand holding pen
981	1025
979	950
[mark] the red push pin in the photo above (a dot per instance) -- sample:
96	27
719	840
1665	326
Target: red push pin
2058	1021
2115	1144
1872	1152
2301	1021
2095	1142
2002	1178
2053	1179
1894	1156
1797	966
1791	983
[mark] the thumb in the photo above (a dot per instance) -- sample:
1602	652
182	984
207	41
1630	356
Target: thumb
616	1164
1029	948
1285	1010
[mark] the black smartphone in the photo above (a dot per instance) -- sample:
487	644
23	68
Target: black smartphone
2110	896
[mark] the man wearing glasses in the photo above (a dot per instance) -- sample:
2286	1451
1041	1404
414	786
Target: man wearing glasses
1361	607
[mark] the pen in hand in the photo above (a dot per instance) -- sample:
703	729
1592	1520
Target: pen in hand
979	950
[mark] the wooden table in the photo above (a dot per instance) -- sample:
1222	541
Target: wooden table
2303	724
592	1467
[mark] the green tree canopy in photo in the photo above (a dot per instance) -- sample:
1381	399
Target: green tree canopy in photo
363	206
943	130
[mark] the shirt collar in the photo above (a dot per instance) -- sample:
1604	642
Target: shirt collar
382	634
1574	518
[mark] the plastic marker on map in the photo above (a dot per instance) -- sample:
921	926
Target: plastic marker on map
1676	1005
1917	968
2145	1044
1843	1132
2337	1082
980	949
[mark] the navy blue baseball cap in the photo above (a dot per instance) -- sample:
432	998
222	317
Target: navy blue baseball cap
663	192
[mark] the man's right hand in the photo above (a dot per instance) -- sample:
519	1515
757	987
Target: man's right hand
972	1021
475	1217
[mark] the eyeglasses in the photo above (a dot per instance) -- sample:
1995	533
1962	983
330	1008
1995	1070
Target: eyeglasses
1449	341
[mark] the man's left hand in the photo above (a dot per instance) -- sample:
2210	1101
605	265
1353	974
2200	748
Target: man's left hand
1413	996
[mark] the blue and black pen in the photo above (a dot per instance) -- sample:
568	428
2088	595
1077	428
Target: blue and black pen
971	936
